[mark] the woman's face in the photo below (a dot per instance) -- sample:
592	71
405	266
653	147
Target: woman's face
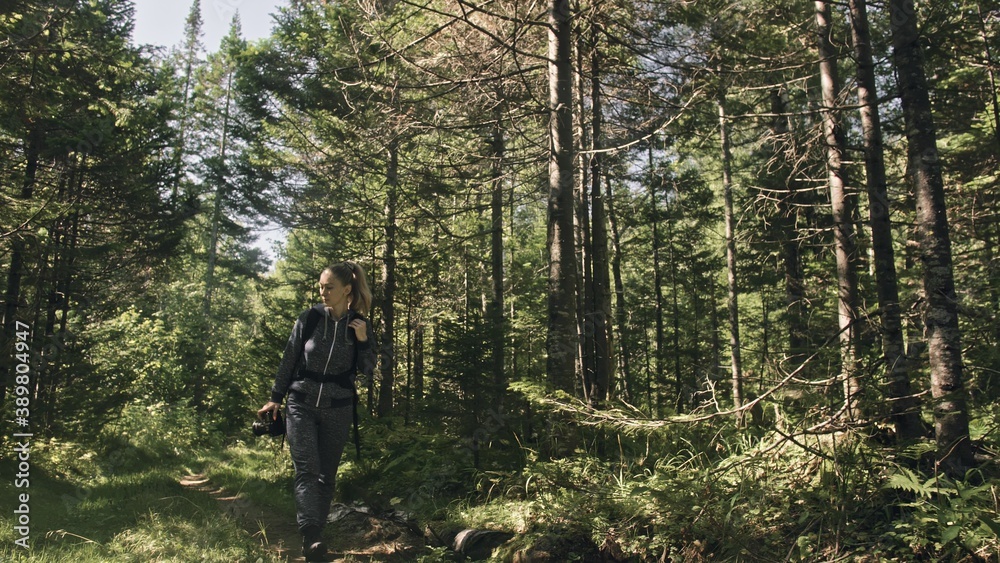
333	293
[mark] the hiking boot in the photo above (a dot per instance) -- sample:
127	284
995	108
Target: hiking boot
313	548
315	551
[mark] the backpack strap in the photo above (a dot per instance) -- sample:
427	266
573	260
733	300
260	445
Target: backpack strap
312	319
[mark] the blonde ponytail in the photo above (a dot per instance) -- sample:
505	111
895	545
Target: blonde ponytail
351	273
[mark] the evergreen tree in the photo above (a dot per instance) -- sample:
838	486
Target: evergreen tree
941	309
90	122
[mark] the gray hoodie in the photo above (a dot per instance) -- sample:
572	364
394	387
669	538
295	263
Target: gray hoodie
329	350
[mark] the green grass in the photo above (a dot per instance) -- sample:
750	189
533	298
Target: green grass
121	504
260	471
706	499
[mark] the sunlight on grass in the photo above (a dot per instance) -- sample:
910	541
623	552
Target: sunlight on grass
90	508
258	471
180	538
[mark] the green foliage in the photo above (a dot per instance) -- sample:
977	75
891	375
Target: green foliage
409	469
155	360
945	518
257	469
462	370
120	500
707	492
693	491
128	220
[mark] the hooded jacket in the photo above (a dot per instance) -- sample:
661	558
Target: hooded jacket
330	350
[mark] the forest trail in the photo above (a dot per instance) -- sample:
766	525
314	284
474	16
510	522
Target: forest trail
353	535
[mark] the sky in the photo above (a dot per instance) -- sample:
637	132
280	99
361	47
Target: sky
161	22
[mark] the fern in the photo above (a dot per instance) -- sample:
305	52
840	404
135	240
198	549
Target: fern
906	480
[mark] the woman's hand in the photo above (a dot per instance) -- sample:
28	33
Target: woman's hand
271	407
360	329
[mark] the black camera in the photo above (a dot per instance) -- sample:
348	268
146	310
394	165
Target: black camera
269	426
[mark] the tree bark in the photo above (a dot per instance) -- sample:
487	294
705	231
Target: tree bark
843	208
561	341
787	231
675	315
621	315
654	219
496	309
12	296
904	407
418	364
991	233
941	303
387	369
587	359
601	306
736	364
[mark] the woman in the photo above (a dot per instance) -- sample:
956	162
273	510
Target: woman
317	374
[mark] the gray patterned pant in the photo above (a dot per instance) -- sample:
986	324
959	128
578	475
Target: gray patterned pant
316	440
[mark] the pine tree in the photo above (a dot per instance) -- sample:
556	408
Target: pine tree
99	163
561	336
941	309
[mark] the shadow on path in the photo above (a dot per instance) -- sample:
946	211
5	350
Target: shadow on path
353	535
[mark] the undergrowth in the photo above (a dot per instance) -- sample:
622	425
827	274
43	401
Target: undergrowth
690	491
685	492
117	497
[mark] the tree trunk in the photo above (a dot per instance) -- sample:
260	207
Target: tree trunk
385	397
621	311
221	178
765	328
585	297
654	219
990	66
408	410
990	234
12	296
496	309
843	207
64	232
192	45
905	408
787	222
941	303
601	307
716	328
561	335
736	363
418	365
675	317
50	260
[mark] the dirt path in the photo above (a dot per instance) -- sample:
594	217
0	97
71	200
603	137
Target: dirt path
353	536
